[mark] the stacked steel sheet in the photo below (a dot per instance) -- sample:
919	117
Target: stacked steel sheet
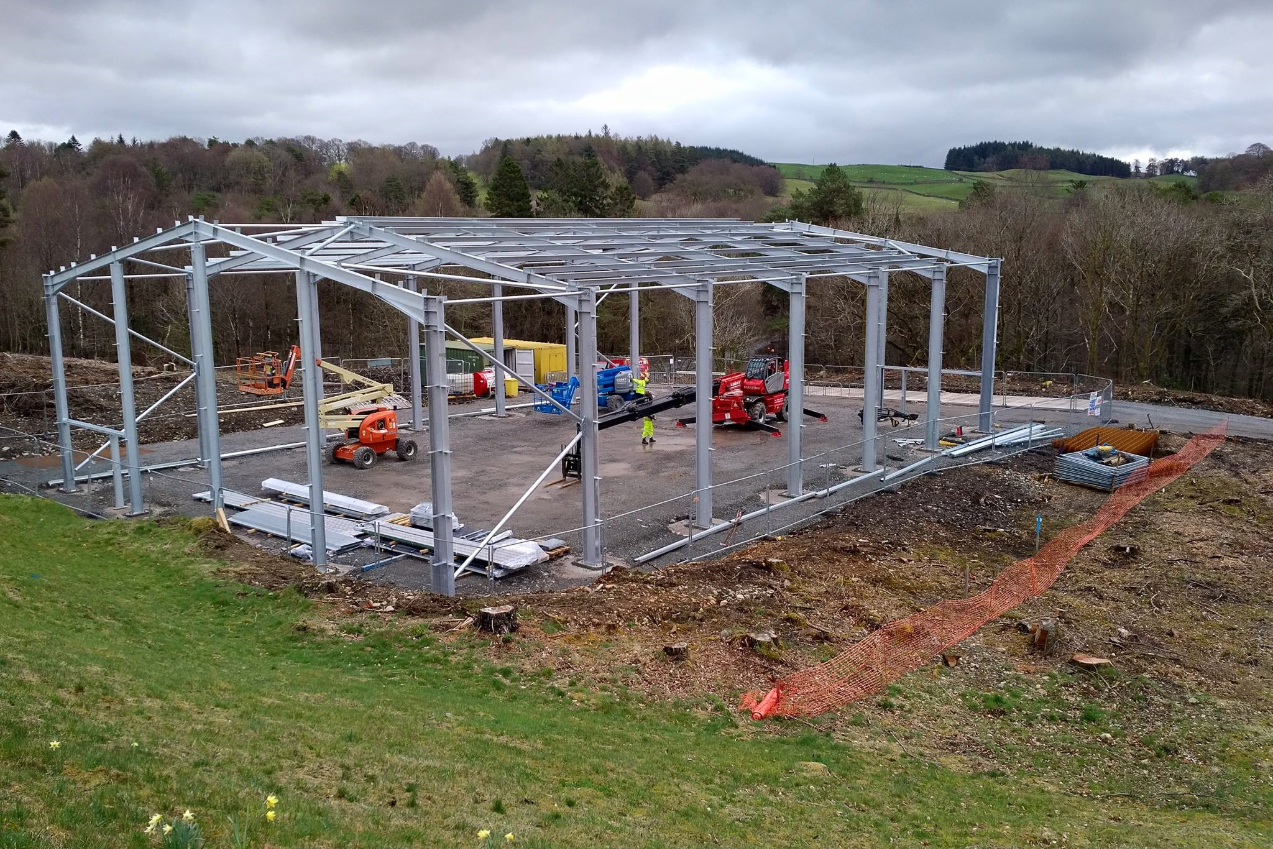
507	556
1032	433
333	502
422	516
1102	468
271	518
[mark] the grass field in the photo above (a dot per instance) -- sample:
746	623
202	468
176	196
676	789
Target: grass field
167	687
921	188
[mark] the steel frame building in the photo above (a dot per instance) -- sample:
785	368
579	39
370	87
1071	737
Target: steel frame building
577	262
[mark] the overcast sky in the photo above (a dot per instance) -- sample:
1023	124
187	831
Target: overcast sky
891	82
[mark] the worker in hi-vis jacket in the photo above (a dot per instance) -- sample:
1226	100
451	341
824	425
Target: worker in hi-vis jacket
638	384
647	431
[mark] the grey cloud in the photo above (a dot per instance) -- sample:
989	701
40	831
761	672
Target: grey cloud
852	81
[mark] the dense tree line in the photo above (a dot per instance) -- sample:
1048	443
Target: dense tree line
1128	279
1238	171
648	164
1001	156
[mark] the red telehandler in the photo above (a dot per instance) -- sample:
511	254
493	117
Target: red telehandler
750	397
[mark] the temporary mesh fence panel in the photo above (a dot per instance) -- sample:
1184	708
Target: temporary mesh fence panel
907	644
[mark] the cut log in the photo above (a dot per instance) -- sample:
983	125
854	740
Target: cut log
1089	661
497	620
677	651
1044	634
762	638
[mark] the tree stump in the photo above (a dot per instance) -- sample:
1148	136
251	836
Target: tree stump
677	651
497	620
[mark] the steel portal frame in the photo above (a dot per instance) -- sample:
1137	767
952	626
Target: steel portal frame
569	260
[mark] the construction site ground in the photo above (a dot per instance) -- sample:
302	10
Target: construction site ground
1176	596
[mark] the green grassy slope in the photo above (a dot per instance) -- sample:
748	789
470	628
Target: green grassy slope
920	188
168	687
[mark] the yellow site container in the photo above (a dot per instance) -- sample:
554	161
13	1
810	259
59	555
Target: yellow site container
549	356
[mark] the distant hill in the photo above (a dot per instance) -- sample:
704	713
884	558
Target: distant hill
1004	156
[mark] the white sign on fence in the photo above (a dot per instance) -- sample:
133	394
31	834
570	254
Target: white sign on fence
1094	404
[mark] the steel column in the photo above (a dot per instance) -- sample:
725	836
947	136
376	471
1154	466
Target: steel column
571	361
871	375
989	348
60	404
497	334
192	322
589	471
442	578
205	370
703	404
413	354
795	391
312	383
634	332
127	398
882	356
936	325
117	477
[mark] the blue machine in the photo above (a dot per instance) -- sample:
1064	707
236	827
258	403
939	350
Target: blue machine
563	392
614	389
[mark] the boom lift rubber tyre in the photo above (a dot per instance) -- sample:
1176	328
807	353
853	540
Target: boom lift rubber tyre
756	411
406	449
614	402
331	452
364	457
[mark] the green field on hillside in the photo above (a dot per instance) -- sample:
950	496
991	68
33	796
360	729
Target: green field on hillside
136	679
919	188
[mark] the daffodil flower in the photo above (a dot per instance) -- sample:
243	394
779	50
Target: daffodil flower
55	744
271	800
269	816
188	816
509	837
483	834
153	824
167	829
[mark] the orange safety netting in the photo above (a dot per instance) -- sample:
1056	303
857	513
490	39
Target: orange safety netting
907	644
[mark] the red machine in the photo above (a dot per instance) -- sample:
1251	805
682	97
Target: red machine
264	374
750	397
375	434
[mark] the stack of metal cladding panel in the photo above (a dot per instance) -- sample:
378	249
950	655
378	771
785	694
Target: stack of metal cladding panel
1140	442
509	555
271	518
333	502
230	498
1086	469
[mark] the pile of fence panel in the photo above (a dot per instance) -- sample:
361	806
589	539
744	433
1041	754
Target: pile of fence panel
1102	468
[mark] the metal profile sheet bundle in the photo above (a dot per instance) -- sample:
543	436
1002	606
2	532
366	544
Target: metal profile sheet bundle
508	555
332	501
271	518
1039	433
1105	470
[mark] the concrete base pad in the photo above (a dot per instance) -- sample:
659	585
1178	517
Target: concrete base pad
682	527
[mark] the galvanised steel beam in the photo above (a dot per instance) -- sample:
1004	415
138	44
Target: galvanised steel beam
131	332
572	323
795	391
407	302
703	405
936	326
60	404
54	281
442	572
205	369
413	354
312	384
989	348
634	332
588	448
127	398
497	335
871	376
882	320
